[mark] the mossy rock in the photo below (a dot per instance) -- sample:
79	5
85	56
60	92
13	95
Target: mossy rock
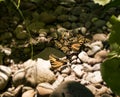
47	51
47	17
36	26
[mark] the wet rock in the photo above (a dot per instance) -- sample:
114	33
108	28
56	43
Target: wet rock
47	51
99	23
71	89
47	17
34	27
60	10
62	18
76	10
6	36
72	18
22	35
5	73
67	24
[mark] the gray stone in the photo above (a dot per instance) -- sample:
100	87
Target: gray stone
71	89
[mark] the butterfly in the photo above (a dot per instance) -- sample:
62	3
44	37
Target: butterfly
56	62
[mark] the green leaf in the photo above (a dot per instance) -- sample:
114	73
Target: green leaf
2	0
110	71
102	2
113	3
115	33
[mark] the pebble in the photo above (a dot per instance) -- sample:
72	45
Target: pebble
57	82
84	82
44	63
98	58
5	73
101	55
73	57
84	66
29	93
83	56
93	50
44	90
34	72
78	69
100	37
97	43
65	70
87	67
71	77
83	30
18	77
78	60
94	47
96	67
74	61
94	77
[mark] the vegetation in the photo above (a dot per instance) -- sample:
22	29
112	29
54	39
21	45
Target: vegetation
110	69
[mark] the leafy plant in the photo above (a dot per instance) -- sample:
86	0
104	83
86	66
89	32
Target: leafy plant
1	0
110	69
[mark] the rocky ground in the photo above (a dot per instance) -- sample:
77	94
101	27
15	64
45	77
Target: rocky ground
68	42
